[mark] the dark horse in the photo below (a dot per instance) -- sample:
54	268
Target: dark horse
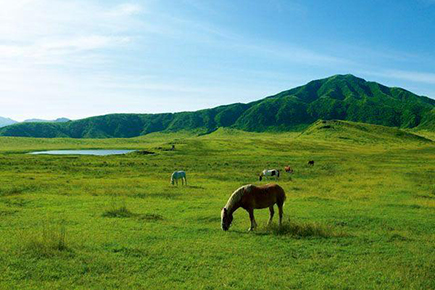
250	197
311	162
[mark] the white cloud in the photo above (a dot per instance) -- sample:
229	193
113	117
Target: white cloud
37	31
81	58
428	2
82	43
422	77
43	93
50	48
294	54
413	76
125	9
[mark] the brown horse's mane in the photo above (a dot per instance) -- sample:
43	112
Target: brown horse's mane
237	196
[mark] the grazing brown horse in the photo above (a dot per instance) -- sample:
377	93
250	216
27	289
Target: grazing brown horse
288	169
250	197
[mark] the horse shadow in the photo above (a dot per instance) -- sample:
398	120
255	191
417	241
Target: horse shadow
195	186
297	230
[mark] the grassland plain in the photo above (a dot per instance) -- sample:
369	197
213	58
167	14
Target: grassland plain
361	218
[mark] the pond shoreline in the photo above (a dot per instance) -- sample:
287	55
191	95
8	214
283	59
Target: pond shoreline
94	152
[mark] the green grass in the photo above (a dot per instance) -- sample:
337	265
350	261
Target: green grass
361	218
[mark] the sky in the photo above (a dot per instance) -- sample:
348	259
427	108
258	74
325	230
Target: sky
75	59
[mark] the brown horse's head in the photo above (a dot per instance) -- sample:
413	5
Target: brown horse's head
226	219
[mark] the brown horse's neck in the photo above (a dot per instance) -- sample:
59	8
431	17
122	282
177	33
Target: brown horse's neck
235	200
234	207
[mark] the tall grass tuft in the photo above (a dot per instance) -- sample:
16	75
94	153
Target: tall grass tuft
117	208
49	242
118	212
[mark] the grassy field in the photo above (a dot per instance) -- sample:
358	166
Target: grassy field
362	217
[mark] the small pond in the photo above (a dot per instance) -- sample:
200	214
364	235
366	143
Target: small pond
98	152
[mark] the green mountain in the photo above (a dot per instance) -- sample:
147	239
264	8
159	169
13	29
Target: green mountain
341	97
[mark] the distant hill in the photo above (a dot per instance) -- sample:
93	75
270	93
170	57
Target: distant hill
6	122
359	133
341	97
58	120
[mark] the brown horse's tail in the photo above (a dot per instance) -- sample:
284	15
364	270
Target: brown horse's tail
283	197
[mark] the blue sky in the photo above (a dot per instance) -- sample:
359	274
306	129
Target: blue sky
83	58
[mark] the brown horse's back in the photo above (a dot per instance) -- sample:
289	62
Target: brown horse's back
263	196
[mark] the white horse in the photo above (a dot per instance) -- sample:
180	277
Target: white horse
179	175
271	172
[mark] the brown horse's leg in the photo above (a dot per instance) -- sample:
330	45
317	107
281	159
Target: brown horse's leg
251	217
280	213
272	212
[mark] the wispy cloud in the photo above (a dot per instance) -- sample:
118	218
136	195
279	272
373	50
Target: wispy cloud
125	9
52	49
413	76
293	54
227	40
428	2
423	77
35	31
88	57
49	51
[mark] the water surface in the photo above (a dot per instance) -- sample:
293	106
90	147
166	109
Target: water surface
98	152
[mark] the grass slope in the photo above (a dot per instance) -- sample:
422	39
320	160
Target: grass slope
343	97
360	133
361	218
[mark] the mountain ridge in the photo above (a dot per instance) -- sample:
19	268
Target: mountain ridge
341	97
6	122
58	120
